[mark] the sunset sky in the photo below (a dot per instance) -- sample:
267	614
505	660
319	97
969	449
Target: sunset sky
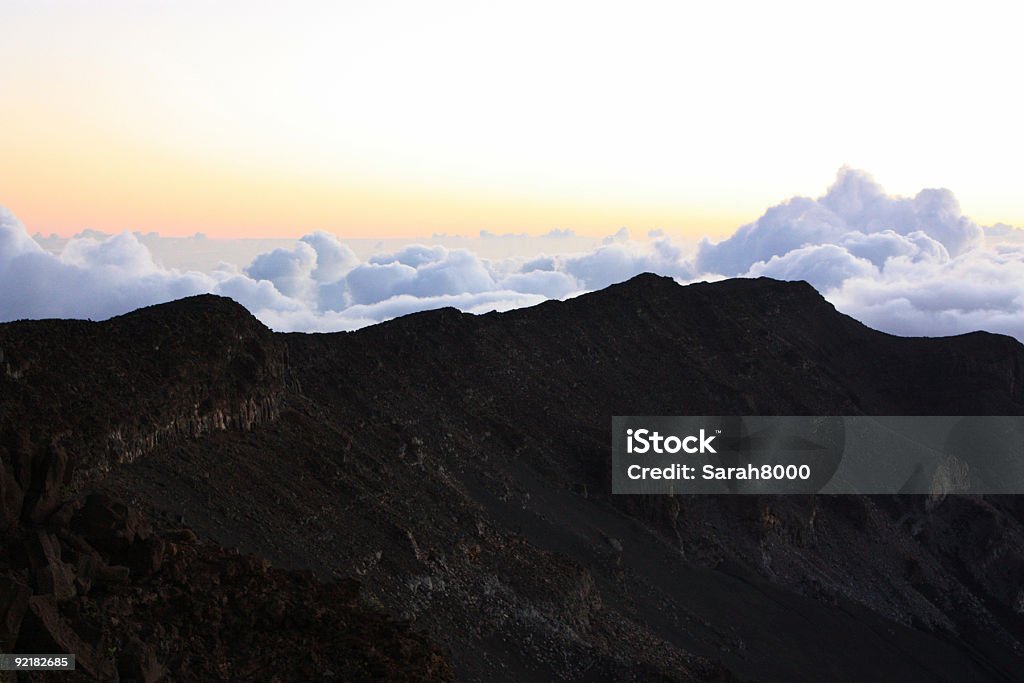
396	119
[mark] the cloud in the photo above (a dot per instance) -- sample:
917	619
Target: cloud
90	279
374	282
854	204
289	270
913	266
333	259
879	247
620	235
559	233
549	283
825	266
611	263
979	290
1001	232
488	235
414	255
910	266
420	271
14	239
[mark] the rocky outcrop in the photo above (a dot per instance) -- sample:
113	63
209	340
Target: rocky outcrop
89	575
80	398
142	604
244	414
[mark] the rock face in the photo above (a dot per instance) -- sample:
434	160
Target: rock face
110	392
458	468
89	574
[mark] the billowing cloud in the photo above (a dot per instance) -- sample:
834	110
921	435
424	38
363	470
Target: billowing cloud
618	261
549	283
14	239
289	270
910	266
854	203
978	290
825	266
92	278
333	259
913	266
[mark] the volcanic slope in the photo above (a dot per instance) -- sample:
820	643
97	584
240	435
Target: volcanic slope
458	467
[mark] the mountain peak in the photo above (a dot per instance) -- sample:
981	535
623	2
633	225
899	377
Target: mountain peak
651	282
209	306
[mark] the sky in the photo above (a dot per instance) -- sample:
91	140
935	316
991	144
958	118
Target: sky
332	165
392	120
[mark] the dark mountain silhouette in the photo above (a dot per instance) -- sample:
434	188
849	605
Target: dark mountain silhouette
446	479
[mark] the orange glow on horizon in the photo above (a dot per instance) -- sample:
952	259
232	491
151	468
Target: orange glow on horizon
63	187
404	119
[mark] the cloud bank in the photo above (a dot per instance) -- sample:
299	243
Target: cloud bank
906	265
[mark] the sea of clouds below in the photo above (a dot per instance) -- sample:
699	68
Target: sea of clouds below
905	265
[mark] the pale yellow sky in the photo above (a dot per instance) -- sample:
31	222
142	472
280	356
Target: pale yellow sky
401	119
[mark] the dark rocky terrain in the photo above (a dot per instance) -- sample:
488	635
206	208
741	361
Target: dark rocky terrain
433	497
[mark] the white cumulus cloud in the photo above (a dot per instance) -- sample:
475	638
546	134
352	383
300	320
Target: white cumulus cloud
854	204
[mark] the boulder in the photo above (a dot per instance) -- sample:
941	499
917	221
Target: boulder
48	478
85	572
145	557
91	570
105	574
52	576
109	525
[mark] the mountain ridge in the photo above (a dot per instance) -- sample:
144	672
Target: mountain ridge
458	466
